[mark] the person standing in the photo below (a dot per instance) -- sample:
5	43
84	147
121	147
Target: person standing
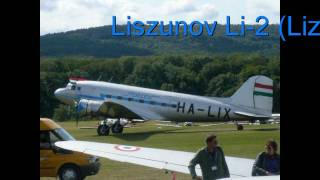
211	160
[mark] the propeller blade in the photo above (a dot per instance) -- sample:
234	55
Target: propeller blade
77	120
99	78
77	112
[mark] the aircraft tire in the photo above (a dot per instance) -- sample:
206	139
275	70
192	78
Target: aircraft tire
117	129
103	130
239	127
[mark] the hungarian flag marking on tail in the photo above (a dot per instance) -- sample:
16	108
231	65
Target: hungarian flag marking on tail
263	90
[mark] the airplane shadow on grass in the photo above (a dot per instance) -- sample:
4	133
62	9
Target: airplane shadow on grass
138	136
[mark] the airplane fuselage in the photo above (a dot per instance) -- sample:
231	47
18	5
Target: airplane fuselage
155	104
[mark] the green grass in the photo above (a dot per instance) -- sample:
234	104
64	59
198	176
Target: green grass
247	143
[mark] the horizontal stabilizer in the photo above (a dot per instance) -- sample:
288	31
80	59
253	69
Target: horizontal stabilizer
251	115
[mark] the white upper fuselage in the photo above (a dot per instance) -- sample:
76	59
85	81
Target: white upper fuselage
152	104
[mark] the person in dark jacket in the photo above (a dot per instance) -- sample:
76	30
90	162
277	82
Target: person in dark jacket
268	162
212	161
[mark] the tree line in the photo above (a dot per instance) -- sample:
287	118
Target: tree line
98	42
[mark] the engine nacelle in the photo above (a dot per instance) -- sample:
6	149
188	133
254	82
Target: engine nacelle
88	106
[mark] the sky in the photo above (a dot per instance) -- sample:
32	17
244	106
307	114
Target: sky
66	15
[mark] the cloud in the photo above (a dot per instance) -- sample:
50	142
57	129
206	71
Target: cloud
48	5
65	15
270	8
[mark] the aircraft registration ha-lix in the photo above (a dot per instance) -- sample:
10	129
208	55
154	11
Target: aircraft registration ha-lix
252	101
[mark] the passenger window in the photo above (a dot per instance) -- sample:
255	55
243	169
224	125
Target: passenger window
53	138
73	87
44	140
78	88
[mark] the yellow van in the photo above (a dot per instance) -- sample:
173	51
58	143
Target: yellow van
61	163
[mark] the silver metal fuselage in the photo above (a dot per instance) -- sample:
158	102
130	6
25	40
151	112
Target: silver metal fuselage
153	104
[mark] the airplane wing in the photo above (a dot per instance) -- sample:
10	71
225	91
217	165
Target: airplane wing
176	161
251	115
117	110
114	110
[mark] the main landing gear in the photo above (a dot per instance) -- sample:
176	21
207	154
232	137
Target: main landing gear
116	126
103	129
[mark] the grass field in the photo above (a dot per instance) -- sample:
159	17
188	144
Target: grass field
247	143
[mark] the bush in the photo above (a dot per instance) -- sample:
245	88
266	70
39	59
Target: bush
64	113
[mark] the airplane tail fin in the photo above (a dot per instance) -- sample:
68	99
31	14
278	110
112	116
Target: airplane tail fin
256	93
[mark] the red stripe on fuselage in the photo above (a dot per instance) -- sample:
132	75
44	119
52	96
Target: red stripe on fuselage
77	79
263	86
